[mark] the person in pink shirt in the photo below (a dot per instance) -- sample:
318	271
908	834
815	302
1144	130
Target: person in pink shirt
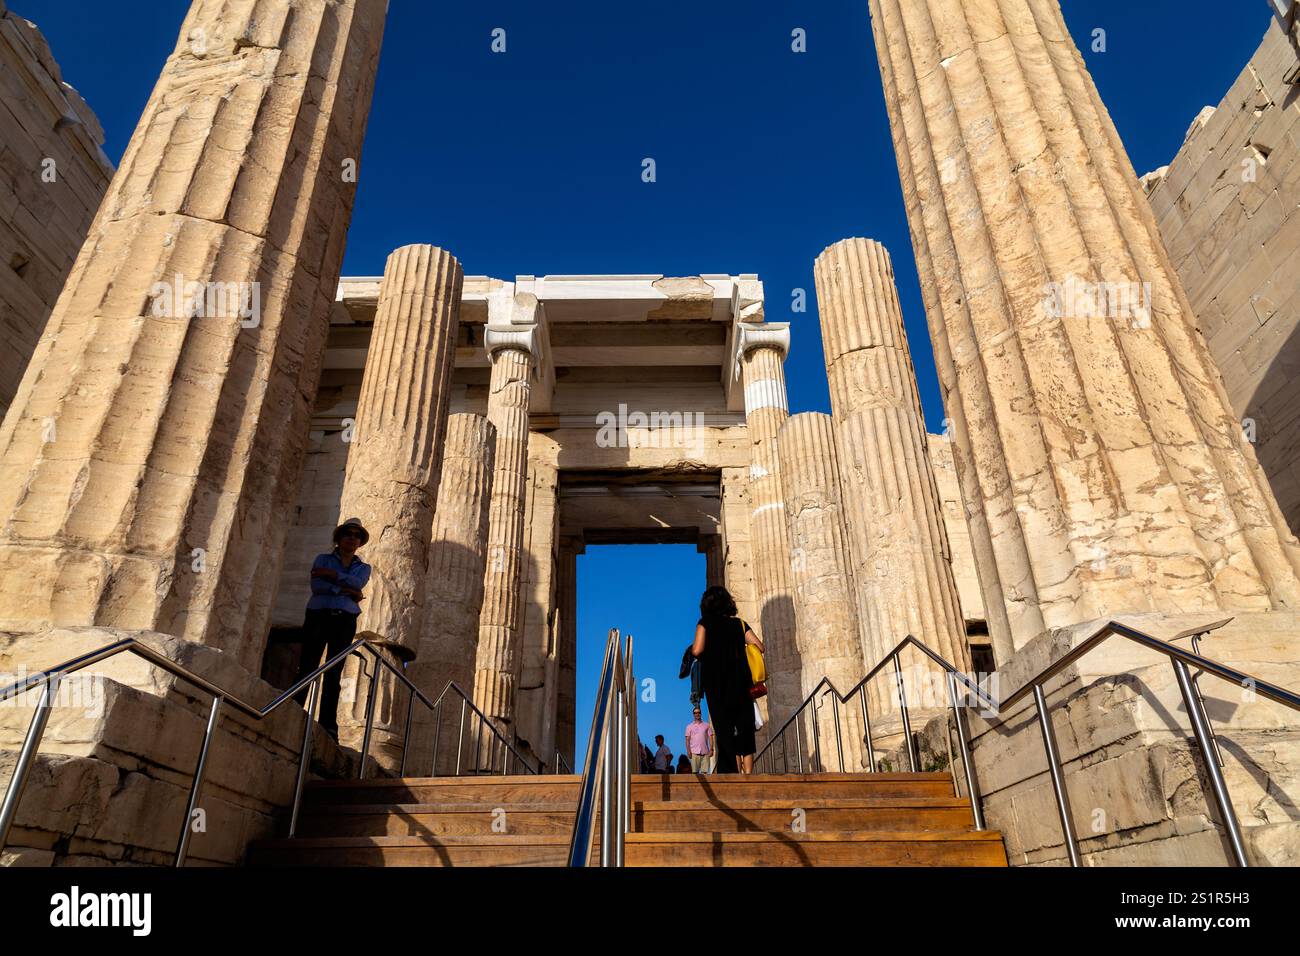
699	743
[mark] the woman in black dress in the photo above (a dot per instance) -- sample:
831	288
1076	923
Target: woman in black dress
720	639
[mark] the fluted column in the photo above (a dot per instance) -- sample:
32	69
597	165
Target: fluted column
902	570
393	471
454	585
825	614
500	660
1100	459
566	591
151	455
395	463
762	350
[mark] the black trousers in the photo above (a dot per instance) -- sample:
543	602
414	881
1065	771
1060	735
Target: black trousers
325	631
733	728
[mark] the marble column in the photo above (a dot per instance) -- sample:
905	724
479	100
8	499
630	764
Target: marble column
511	349
762	351
566	589
537	699
825	612
395	463
901	566
151	456
1101	462
393	471
453	587
737	544
710	545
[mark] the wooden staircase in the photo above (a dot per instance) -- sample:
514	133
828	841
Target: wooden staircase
831	819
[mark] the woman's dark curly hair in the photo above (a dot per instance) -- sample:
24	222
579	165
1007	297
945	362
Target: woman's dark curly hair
717	602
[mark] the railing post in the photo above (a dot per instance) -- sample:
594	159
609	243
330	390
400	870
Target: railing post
1200	700
370	716
798	741
866	723
437	738
839	742
478	741
967	758
26	757
313	697
460	740
1058	781
817	740
1201	728
406	738
183	845
621	725
913	758
606	797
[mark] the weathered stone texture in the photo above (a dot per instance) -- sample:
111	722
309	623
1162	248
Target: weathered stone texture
1228	207
1103	465
825	610
53	174
899	554
500	659
1138	788
116	763
393	471
395	462
762	360
151	455
538	693
454	585
964	572
566	590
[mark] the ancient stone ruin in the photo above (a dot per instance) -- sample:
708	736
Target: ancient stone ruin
208	388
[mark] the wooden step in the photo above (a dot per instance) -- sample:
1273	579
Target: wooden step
788	788
492	791
424	819
874	848
869	848
817	816
431	819
564	788
494	850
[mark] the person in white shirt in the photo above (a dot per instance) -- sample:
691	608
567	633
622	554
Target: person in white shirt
663	756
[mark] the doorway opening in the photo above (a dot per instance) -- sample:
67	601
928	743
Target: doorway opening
651	591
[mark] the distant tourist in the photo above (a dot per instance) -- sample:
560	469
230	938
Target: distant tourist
647	760
684	765
720	639
699	743
663	756
338	580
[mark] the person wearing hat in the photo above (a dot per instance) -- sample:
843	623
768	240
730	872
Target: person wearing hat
338	580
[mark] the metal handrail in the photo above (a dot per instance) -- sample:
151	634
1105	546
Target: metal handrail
607	770
1188	686
51	678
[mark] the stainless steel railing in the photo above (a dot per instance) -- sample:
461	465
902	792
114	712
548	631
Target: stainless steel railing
1188	686
49	681
612	748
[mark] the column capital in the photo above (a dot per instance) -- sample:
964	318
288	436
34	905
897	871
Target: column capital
762	335
522	337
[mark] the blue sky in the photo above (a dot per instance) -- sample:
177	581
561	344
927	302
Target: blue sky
529	162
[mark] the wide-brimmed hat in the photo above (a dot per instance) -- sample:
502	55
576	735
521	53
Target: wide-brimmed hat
352	523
